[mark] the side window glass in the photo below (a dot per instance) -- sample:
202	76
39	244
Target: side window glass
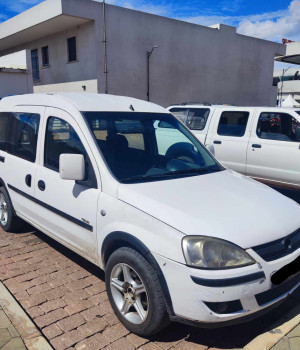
277	126
197	118
22	135
4	118
180	113
233	123
62	138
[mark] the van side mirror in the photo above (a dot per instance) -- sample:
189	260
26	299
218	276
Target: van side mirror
211	149
72	167
297	132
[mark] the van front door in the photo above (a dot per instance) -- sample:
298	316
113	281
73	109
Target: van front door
230	136
274	152
21	156
67	209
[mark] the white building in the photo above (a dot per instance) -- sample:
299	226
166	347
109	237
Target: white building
15	77
75	45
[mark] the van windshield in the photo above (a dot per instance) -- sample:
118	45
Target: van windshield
140	147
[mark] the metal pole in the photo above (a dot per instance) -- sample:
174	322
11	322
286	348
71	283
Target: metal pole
148	75
105	48
149	53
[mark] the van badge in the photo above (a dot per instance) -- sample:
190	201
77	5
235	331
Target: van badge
85	221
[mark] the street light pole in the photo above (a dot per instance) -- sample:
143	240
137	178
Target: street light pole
281	90
149	53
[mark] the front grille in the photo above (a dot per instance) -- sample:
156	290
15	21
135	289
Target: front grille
278	291
279	248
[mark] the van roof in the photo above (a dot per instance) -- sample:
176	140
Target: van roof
82	102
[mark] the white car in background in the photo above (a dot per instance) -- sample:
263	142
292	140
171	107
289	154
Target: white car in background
261	142
179	236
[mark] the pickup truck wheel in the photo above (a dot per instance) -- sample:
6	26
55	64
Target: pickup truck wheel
8	220
135	293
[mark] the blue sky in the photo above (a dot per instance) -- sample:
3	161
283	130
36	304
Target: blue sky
266	19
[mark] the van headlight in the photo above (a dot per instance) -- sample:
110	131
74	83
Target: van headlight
213	253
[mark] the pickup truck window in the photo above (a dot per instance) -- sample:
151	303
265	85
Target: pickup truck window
4	118
22	135
233	123
277	126
62	138
179	113
197	118
131	160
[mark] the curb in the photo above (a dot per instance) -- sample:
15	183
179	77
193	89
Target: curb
29	333
267	340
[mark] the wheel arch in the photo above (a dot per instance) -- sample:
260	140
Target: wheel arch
118	239
2	184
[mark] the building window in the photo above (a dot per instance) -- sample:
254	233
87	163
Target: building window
35	65
72	54
45	56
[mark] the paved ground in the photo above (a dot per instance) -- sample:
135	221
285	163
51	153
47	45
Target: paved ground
290	342
10	339
65	296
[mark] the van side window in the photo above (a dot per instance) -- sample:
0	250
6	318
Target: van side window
62	138
197	118
180	113
22	135
4	118
277	126
233	123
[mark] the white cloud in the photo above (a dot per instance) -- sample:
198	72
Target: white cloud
235	20
19	5
284	26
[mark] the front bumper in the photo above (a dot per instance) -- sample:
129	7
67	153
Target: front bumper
225	296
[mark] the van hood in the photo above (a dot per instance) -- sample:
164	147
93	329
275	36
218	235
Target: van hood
225	205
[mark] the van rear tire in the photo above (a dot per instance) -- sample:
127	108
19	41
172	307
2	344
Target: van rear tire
9	221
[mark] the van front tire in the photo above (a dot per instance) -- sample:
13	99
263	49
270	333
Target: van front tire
9	222
135	293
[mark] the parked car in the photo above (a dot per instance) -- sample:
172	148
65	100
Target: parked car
179	236
261	142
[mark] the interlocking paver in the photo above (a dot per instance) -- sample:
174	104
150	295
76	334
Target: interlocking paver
65	296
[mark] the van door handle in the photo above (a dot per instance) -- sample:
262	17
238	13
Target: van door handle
41	185
28	179
217	142
255	145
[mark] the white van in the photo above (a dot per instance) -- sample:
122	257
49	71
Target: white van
261	142
178	235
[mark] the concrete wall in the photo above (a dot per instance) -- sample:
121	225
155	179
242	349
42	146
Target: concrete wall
192	63
16	81
74	86
13	82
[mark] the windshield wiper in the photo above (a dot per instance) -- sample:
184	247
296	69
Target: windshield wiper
190	171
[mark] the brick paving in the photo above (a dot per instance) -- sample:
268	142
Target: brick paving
65	297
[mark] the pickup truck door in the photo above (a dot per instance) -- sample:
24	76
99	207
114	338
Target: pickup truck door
229	133
67	210
274	152
20	160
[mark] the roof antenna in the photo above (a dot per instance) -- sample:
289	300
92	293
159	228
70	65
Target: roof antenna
131	107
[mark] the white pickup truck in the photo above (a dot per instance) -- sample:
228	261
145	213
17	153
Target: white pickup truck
261	142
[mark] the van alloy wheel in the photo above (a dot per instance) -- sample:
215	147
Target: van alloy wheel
129	293
3	210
